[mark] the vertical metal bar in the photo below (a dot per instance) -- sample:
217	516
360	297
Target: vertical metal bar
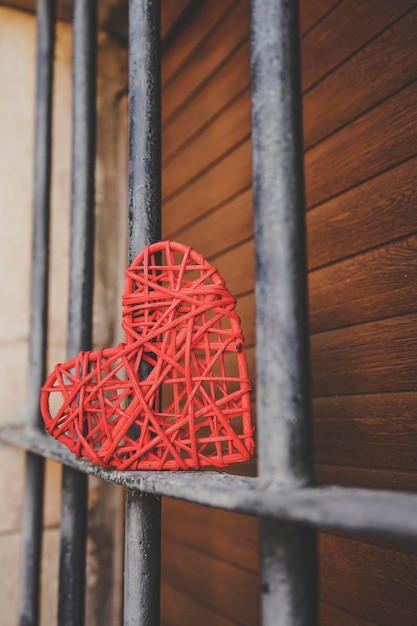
74	484
33	496
143	513
142	562
144	125
288	553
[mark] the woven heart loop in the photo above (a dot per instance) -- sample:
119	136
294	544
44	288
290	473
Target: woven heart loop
176	394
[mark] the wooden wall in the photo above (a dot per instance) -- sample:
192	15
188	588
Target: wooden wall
359	62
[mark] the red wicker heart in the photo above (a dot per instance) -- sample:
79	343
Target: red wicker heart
176	394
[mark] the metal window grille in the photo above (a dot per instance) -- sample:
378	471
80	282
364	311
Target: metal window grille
283	496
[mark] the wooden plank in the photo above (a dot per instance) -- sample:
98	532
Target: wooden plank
233	591
237	268
377	141
179	608
230	128
359	83
376	284
366	477
332	616
369	358
347	28
215	187
311	11
224	535
210	54
368	215
372	431
232	223
246	312
206	17
170	12
375	582
231	78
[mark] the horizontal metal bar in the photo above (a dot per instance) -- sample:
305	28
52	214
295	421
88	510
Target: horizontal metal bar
356	510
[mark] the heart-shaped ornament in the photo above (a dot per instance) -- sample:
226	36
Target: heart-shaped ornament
176	395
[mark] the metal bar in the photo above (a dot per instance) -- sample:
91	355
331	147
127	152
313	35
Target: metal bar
143	514
289	577
33	495
142	558
367	511
144	125
74	484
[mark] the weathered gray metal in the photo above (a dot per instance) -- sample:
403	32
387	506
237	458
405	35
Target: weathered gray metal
288	559
357	510
143	514
71	600
34	477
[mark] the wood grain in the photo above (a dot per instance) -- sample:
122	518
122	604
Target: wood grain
232	223
332	616
214	188
215	140
371	214
347	28
230	79
210	581
227	536
379	582
382	426
206	57
373	285
377	141
368	478
205	18
312	11
369	358
237	268
180	608
359	84
170	12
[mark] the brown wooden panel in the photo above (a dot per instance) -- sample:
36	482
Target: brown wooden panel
227	536
246	311
375	431
216	139
359	84
234	592
216	186
375	582
311	11
380	139
211	53
170	12
230	79
365	477
375	212
376	284
348	27
178	608
230	224
237	268
205	18
332	616
369	358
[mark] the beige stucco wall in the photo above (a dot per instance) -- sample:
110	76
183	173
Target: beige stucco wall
17	92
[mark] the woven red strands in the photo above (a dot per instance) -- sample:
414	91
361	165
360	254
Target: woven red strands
176	395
